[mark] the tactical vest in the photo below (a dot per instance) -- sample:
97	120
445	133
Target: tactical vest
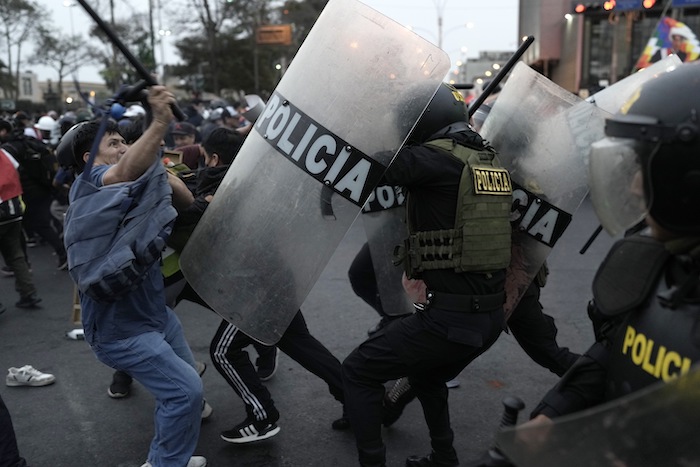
480	240
655	341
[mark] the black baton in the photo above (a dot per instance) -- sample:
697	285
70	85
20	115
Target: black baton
145	75
501	74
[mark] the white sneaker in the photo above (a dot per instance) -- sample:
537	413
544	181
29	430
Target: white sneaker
195	461
28	376
206	409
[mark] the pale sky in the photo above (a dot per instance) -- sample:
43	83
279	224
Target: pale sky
492	25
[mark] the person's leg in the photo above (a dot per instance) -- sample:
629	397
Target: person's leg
9	453
266	363
156	361
38	218
432	394
234	365
537	334
311	354
11	248
365	371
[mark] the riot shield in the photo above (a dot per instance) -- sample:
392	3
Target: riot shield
612	98
543	134
658	426
342	110
384	218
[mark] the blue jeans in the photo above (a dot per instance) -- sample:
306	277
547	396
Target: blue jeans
163	363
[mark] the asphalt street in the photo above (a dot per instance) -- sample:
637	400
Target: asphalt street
74	423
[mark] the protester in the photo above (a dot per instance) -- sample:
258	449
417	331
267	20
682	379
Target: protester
126	322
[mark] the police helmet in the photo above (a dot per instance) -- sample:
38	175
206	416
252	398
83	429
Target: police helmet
652	156
446	107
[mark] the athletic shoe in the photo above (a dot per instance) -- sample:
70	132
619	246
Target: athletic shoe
6	271
28	376
30	301
195	461
206	409
201	367
121	385
267	363
251	430
453	383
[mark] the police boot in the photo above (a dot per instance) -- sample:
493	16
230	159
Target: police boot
372	457
433	460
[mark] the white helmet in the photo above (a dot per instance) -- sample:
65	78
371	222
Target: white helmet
46	123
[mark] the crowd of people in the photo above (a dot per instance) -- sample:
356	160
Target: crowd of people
174	169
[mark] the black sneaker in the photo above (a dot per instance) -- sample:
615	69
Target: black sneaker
267	362
30	301
251	430
121	385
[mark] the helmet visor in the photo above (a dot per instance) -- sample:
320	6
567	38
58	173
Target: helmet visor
616	182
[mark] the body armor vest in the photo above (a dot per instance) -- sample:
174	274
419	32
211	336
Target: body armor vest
654	341
481	238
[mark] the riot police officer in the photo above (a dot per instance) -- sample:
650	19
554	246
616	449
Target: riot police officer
459	244
646	306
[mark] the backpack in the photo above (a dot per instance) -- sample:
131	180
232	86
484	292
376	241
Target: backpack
36	159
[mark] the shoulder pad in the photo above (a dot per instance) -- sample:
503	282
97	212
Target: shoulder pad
628	274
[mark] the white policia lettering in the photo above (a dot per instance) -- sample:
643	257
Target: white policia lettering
384	197
317	151
539	219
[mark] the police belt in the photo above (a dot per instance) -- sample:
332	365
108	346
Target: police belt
465	303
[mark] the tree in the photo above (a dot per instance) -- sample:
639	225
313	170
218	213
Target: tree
7	84
18	18
134	33
65	54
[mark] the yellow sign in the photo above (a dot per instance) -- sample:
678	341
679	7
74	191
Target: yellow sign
274	34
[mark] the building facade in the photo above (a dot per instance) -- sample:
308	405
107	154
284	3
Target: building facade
585	45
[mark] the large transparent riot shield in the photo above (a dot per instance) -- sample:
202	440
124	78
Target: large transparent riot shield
384	218
338	116
543	134
612	98
658	426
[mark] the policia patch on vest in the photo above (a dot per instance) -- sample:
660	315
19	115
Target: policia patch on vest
491	181
317	151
